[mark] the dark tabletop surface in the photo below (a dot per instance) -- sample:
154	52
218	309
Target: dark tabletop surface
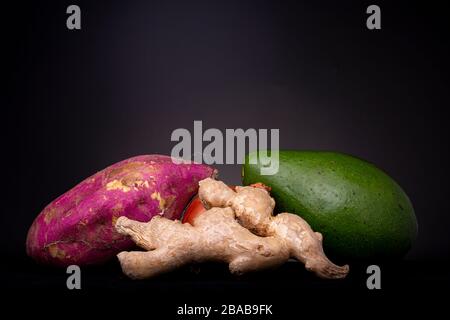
212	285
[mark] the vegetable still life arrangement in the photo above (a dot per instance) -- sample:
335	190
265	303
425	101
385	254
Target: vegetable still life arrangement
318	203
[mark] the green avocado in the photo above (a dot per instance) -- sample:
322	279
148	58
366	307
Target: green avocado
362	213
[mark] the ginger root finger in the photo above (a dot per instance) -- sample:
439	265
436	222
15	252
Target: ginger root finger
146	264
305	245
217	194
136	230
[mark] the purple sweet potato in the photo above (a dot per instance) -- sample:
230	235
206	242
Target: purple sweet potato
78	227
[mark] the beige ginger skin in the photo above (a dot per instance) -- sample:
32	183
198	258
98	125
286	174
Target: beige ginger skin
238	228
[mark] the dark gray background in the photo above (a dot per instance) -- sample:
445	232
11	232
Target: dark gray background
81	100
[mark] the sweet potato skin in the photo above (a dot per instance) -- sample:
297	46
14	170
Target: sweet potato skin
78	227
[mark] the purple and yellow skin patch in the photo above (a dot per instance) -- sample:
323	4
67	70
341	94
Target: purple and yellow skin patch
78	227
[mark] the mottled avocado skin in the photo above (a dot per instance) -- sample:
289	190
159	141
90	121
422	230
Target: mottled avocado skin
361	211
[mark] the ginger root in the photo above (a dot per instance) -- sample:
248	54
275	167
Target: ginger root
238	229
